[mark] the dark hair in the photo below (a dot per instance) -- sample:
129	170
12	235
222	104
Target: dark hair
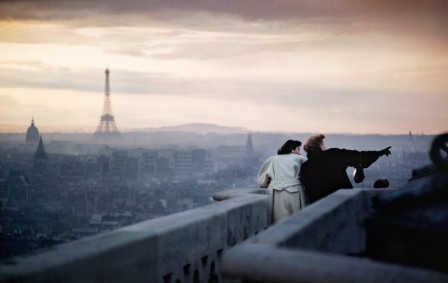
314	143
289	146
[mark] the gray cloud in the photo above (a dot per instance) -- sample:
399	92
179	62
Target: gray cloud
261	9
418	22
46	77
139	83
429	14
131	51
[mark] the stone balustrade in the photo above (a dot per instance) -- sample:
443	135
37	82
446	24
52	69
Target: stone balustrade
228	241
320	244
183	247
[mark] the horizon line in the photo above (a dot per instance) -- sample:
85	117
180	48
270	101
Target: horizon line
22	128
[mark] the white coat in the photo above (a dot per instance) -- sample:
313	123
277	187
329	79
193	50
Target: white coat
280	175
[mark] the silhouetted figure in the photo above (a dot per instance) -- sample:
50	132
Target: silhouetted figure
280	175
381	183
325	170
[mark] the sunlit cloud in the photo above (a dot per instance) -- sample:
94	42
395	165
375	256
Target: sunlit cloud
357	66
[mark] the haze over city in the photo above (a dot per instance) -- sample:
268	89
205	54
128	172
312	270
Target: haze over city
288	66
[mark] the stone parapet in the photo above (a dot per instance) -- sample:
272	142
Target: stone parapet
183	247
320	244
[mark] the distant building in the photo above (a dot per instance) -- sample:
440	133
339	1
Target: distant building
132	164
149	162
32	134
118	161
186	162
40	154
182	161
107	130
251	161
200	161
40	158
249	145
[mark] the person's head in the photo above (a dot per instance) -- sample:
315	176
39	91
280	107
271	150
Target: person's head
290	146
315	142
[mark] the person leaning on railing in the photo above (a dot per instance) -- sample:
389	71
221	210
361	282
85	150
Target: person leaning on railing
325	170
280	175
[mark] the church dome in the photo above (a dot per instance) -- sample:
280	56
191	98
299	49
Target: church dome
32	134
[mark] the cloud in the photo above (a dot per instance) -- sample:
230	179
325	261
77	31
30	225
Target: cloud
41	32
431	12
45	77
9	109
237	27
323	61
8	101
33	65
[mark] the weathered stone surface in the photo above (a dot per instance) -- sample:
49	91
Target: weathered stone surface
186	246
321	243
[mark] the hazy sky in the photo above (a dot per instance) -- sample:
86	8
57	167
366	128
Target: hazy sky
266	65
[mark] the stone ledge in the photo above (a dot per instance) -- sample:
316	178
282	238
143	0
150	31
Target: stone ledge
270	263
315	244
178	247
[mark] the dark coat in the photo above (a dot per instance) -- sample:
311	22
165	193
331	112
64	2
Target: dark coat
326	171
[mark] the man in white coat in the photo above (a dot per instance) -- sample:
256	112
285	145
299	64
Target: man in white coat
280	175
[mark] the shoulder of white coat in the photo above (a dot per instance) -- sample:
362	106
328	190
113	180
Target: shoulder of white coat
298	158
267	161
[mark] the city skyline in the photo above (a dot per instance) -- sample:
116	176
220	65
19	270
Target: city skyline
371	67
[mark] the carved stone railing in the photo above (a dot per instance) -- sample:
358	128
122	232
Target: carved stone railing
183	247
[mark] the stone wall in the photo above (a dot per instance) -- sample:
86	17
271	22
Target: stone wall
320	244
183	247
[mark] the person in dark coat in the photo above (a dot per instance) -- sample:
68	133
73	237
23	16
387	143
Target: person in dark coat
325	170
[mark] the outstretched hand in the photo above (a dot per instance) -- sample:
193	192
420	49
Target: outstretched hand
385	151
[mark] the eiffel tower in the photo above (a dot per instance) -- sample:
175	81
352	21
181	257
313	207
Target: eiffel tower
107	129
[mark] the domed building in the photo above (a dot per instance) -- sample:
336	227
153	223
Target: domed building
32	134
